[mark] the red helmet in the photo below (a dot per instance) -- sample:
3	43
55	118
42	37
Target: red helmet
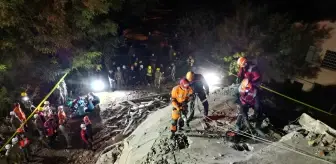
184	83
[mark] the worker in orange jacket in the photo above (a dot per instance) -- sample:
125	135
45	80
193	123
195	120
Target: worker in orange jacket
19	113
180	96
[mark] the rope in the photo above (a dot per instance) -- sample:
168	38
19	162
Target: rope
31	115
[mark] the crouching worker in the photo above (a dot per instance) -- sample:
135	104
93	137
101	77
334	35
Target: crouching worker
180	96
85	138
247	99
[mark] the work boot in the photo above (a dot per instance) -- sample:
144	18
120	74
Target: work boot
172	135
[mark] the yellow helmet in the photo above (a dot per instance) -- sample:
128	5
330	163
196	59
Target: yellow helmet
190	76
150	67
158	69
23	94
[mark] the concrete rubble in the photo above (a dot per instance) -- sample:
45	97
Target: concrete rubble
149	143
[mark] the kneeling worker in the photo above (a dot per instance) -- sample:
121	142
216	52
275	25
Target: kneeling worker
180	96
247	99
201	88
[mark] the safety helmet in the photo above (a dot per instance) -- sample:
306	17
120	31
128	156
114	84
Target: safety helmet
46	103
141	66
190	76
23	94
60	107
83	126
152	54
118	68
15	140
124	66
36	116
135	63
184	83
157	69
8	146
149	67
140	61
245	85
11	113
241	62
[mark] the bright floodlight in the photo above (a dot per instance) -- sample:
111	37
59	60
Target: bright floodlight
98	85
212	79
25	98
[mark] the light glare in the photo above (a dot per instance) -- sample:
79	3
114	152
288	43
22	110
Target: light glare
98	85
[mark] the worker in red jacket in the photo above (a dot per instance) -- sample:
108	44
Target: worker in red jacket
24	143
248	71
247	99
87	142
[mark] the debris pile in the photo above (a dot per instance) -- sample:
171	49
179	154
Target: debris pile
120	120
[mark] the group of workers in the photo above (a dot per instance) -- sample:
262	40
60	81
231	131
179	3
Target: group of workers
50	124
194	85
138	74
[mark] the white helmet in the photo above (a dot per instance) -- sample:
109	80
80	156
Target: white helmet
83	126
124	67
60	107
118	68
11	113
36	116
141	66
46	103
8	146
15	140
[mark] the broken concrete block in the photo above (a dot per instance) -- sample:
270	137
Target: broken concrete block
328	138
291	128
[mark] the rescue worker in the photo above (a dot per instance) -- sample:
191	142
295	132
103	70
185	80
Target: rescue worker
125	75
49	126
132	76
15	122
201	89
111	78
19	113
153	61
190	62
62	126
247	99
39	124
157	78
87	143
142	73
149	74
15	152
88	125
249	71
24	144
180	95
10	155
173	71
46	108
118	78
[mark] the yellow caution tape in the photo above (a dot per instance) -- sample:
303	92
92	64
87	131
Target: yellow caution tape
31	115
290	98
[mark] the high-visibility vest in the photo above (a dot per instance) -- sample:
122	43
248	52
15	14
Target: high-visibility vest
149	72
